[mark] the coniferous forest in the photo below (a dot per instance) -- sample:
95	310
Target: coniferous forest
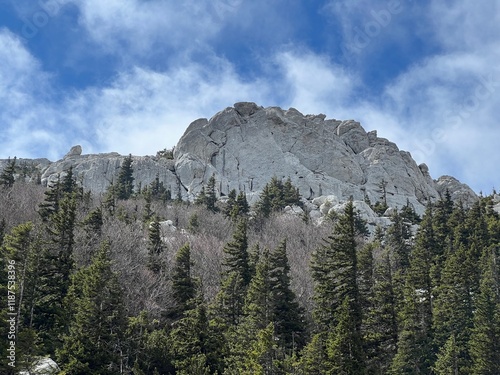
136	281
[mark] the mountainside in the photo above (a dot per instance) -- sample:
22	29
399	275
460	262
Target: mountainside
246	145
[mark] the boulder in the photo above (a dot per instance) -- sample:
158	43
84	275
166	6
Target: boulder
74	151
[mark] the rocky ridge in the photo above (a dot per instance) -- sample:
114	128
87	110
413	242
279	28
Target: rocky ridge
244	146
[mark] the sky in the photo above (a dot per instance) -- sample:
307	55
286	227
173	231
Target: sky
130	75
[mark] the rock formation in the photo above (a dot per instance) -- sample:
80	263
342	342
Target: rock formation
244	146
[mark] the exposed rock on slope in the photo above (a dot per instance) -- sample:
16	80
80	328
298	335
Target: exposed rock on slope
246	145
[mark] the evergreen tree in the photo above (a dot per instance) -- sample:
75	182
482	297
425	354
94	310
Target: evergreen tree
21	246
155	245
287	315
380	323
7	176
415	354
334	271
125	181
258	304
183	285
453	309
148	212
240	207
211	197
344	349
50	205
195	346
314	360
236	253
93	222
230	203
94	339
485	338
56	266
291	194
264	205
447	362
235	278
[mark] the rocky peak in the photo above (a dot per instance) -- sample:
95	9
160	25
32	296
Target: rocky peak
244	146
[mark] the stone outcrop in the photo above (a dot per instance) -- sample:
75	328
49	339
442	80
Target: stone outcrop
96	172
244	146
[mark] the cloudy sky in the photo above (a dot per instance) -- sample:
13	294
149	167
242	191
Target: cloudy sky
130	75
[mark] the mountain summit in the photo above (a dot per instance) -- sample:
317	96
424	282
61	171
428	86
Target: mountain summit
244	146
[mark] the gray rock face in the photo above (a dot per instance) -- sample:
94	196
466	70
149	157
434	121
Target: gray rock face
96	172
246	145
458	191
75	151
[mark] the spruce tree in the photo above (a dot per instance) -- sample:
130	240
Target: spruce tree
334	271
50	205
287	315
453	309
485	338
56	266
380	320
415	337
448	358
211	197
94	340
7	176
236	257
155	245
344	346
195	345
230	203
183	285
125	181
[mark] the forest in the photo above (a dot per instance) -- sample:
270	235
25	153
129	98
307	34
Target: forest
135	281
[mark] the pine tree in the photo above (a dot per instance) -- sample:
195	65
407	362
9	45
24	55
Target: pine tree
7	176
94	339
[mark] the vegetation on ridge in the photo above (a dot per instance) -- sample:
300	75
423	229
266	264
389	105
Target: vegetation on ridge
104	285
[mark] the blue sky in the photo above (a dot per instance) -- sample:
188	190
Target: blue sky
130	75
